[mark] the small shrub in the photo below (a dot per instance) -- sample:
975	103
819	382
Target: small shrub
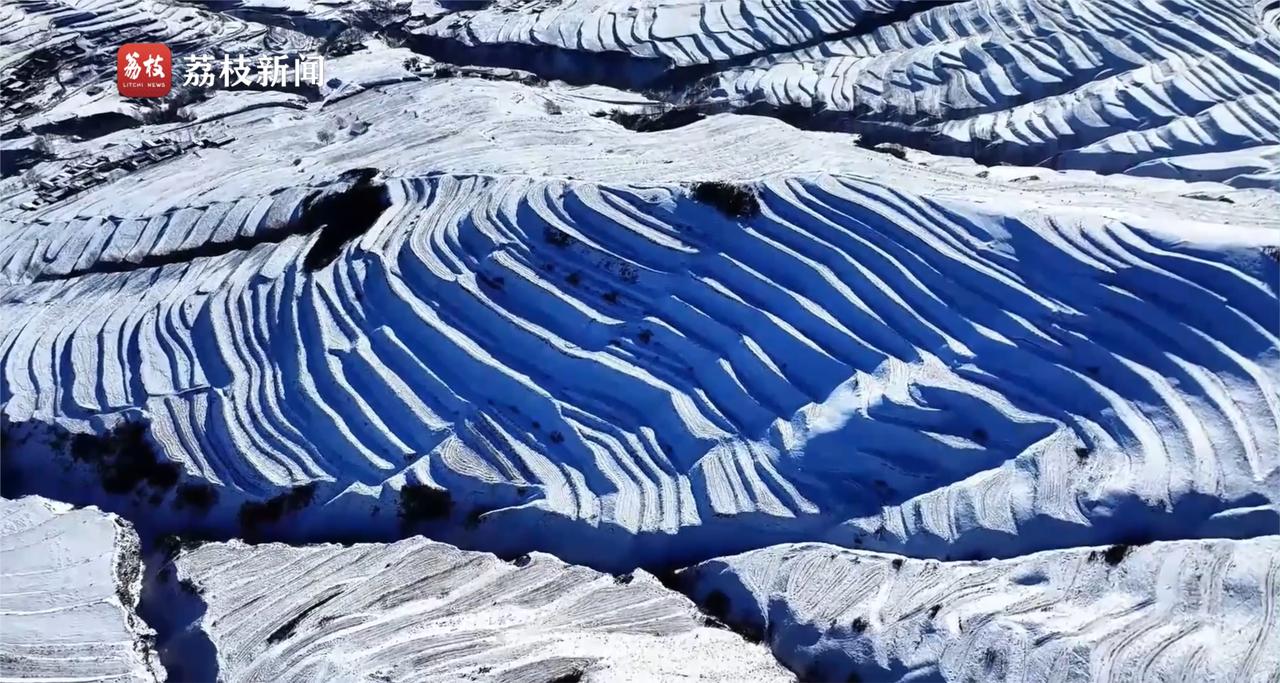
980	436
1116	553
557	237
895	151
654	117
897	563
734	201
125	459
172	108
859	625
256	514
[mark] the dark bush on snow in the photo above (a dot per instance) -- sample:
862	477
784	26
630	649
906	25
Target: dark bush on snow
256	514
172	108
557	237
1116	553
125	459
655	118
734	201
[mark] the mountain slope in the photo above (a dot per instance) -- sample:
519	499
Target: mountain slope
1181	88
1202	611
946	365
419	610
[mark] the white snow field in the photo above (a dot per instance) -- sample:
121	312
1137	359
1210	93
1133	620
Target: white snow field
1169	611
417	610
69	580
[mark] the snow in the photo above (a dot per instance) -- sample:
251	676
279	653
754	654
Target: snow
1184	610
446	294
1015	366
417	609
70	582
1106	85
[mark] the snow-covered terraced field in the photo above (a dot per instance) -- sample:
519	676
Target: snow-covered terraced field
443	293
419	610
1171	88
69	580
1177	611
1185	89
946	365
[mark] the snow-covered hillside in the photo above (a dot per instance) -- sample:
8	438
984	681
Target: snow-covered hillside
418	610
1184	89
1169	88
1179	611
69	581
952	365
946	364
663	310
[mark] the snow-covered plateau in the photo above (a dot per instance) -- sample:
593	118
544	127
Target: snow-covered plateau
69	582
910	340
